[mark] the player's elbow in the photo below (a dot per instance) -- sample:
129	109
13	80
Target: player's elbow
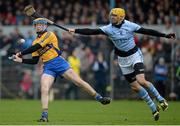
35	60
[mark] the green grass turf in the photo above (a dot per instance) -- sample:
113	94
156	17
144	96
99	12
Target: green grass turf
26	112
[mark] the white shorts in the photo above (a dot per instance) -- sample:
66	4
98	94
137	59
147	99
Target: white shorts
127	63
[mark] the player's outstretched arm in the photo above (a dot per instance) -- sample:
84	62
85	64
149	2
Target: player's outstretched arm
87	31
155	33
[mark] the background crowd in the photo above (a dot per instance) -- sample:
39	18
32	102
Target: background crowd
91	11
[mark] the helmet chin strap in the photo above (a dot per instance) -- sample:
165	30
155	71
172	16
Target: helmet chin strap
118	23
44	29
41	32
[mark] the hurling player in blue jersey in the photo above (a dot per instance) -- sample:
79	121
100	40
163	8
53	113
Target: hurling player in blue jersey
130	58
45	48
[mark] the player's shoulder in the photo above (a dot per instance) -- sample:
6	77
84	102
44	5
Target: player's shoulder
128	22
106	27
131	25
47	35
50	33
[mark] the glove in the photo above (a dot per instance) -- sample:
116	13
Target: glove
171	35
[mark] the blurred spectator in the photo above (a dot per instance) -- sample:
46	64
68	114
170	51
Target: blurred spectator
100	73
19	17
1	39
26	84
177	82
117	74
177	73
16	35
72	90
10	19
148	59
161	75
91	11
168	28
94	44
87	59
28	40
59	39
36	74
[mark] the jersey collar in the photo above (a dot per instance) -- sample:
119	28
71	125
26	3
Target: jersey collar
39	34
119	25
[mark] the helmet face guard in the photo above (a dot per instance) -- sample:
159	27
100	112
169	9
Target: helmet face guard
40	24
119	13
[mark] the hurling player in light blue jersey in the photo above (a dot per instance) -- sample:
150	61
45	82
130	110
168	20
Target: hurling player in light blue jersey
130	58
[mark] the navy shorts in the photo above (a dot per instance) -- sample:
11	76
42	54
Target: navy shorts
56	67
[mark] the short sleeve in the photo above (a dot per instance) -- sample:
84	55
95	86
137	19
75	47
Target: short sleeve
105	29
134	26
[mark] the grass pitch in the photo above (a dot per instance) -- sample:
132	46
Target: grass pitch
27	112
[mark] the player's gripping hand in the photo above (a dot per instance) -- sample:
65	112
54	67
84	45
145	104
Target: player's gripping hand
171	35
72	31
17	58
19	54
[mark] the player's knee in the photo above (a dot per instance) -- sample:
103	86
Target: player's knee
44	89
135	87
142	81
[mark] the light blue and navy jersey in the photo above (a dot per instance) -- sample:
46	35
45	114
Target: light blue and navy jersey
123	37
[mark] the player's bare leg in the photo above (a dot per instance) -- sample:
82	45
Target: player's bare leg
46	83
75	78
148	85
143	94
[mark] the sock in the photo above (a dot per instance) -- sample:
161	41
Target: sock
98	97
154	92
143	94
44	113
45	110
